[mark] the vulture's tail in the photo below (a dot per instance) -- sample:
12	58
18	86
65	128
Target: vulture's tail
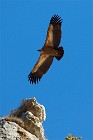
61	53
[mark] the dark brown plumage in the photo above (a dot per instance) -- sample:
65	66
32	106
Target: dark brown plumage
48	51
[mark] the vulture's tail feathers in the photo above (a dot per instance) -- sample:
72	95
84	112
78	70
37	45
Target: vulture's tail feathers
61	53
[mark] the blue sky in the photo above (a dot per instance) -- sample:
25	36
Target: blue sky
66	90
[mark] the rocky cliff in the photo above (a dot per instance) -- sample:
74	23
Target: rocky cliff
25	123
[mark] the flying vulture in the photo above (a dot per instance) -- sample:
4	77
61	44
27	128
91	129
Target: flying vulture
50	50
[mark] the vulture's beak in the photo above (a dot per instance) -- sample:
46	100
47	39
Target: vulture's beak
41	51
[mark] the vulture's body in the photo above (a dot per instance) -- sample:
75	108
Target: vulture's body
48	51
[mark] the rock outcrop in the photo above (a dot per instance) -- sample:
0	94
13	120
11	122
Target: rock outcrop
71	137
24	123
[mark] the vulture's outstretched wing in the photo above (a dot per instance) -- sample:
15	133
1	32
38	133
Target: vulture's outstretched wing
54	32
41	67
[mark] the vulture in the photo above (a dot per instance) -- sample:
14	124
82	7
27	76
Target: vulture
50	50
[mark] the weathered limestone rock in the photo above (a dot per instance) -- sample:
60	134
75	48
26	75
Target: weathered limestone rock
24	123
71	137
32	106
12	131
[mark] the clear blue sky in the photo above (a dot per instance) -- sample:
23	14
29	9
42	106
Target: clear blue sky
66	90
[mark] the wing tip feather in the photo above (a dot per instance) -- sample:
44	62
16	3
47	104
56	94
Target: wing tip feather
33	78
56	20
